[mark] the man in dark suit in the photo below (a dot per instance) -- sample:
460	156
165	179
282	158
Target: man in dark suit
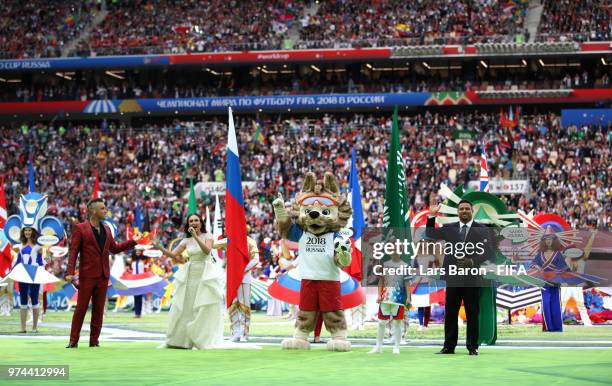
92	241
462	287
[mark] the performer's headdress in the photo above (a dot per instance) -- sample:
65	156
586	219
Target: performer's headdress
32	214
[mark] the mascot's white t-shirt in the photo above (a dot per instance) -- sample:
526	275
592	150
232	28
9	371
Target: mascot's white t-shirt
316	254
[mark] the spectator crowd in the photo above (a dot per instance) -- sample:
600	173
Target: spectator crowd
43	28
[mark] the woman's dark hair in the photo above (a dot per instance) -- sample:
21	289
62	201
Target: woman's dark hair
186	227
556	244
138	254
22	237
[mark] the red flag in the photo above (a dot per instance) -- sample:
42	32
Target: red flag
5	247
96	189
129	231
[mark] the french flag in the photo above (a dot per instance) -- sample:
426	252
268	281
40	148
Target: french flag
235	218
356	221
484	172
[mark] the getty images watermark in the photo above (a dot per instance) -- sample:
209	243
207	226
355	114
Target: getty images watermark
488	256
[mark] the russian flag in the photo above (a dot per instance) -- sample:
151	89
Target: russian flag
356	221
235	217
484	172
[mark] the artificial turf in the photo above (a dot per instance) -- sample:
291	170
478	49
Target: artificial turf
140	363
525	355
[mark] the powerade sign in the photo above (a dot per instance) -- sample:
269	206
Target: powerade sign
285	102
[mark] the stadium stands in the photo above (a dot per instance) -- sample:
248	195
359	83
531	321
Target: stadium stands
40	28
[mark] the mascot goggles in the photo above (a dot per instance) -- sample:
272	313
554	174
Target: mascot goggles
321	200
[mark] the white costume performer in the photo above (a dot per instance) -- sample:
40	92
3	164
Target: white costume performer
240	310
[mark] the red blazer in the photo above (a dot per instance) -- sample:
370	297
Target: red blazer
93	262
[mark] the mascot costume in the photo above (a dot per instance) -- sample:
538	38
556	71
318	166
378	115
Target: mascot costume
320	211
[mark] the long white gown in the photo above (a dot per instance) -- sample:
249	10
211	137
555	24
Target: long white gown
196	313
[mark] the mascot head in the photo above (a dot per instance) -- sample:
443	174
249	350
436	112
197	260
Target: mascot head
320	207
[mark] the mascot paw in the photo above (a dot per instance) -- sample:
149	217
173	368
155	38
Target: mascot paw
295	344
339	345
278	202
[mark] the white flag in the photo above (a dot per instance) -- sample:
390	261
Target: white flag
208	227
216	227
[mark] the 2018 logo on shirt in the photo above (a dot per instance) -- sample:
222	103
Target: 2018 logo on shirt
315	240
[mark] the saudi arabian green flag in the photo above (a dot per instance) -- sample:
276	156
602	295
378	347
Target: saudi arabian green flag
396	215
193	205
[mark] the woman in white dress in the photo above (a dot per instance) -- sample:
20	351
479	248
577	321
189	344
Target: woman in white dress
196	314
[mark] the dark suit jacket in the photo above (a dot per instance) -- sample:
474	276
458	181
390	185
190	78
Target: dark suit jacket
93	262
450	233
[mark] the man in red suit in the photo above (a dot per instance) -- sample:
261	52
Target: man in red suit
92	241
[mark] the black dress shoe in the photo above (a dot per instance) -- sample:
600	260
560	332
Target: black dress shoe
70	345
473	352
94	345
446	351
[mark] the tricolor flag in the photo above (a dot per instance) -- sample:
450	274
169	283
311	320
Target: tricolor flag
235	218
484	172
356	221
5	246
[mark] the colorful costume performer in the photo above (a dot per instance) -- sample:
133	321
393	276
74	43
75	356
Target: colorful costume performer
393	296
29	268
551	296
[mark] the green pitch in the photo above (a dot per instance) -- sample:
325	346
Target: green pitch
139	363
524	355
